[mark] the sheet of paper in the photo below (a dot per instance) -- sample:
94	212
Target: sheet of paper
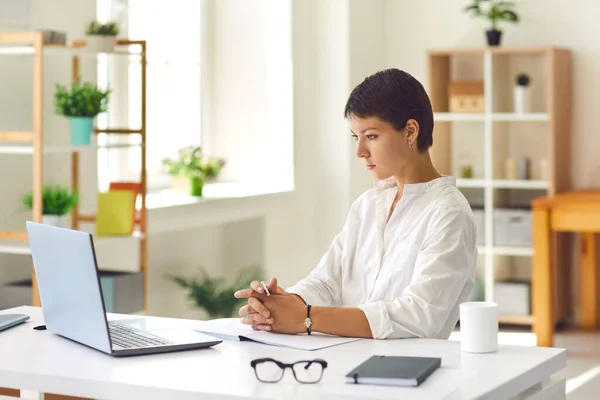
233	329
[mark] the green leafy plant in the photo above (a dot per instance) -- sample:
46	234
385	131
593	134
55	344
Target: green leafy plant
98	28
82	100
56	200
523	80
191	163
213	294
494	10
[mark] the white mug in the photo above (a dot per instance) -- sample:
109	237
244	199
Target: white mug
479	326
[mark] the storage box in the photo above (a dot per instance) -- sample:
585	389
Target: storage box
15	294
512	227
466	97
480	225
123	291
513	297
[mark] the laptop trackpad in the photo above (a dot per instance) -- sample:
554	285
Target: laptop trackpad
183	335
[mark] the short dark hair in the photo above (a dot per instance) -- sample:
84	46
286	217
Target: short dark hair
394	96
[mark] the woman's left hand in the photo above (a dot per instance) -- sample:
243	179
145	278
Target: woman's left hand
288	313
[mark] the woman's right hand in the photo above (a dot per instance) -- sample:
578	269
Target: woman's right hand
255	313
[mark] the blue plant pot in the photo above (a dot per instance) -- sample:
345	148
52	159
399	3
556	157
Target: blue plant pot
81	130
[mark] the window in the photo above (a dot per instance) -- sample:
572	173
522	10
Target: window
172	31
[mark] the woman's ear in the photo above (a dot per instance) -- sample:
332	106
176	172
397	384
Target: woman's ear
412	130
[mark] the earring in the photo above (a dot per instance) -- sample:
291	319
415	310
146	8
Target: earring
411	145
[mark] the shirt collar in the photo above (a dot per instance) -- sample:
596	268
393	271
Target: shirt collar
414	188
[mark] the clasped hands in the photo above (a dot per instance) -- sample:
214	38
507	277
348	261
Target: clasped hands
280	312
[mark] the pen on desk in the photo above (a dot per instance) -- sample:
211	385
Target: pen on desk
265	287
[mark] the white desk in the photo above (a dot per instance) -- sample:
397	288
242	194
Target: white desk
44	362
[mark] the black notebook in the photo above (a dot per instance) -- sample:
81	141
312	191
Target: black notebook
394	370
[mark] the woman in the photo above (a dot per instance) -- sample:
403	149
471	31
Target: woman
405	258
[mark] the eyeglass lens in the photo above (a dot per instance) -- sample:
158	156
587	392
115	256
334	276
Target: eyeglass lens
308	372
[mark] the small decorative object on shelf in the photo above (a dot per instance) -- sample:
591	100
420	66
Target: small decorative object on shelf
523	168
101	37
192	165
494	10
81	104
466	166
510	169
213	295
522	94
57	202
51	37
466	97
544	169
115	215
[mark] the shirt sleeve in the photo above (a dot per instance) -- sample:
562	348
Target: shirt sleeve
323	286
445	267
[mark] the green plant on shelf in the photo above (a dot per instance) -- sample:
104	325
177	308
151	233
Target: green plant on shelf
98	28
213	294
81	100
56	200
192	164
494	10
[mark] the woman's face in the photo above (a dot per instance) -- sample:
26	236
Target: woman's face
384	150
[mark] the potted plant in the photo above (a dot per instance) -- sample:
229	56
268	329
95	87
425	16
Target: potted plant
192	166
213	294
57	201
522	94
80	104
495	11
101	37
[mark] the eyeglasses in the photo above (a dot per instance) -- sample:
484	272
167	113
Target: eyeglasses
268	370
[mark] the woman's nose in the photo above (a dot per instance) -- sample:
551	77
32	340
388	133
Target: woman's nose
361	149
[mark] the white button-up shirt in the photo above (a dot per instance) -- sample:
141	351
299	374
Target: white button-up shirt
408	275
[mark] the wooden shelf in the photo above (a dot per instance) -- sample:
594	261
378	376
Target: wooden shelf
16	136
63	50
496	116
470	183
492	50
25	149
118	131
516	319
446	116
520	184
506	250
515	117
504	184
22	247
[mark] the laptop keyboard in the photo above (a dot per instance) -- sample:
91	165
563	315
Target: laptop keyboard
129	337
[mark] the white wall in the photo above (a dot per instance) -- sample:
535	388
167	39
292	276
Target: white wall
368	46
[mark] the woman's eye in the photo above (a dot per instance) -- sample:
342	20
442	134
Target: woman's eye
371	137
354	137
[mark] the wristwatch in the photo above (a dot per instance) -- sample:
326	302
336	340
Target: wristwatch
308	321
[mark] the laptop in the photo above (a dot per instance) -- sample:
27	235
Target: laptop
69	284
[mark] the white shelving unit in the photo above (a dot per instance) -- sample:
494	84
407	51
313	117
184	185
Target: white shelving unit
498	133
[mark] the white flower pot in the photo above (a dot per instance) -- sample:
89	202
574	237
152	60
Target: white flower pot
101	43
522	99
54	220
